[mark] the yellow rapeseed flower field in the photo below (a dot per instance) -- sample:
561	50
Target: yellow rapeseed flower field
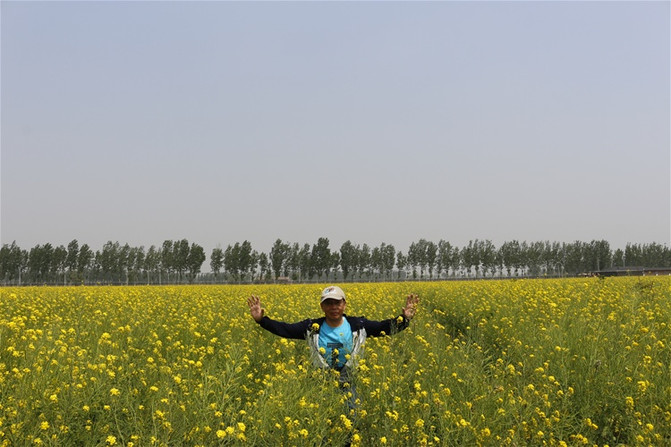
566	362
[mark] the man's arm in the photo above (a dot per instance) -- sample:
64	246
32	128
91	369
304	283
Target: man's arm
296	331
286	330
393	325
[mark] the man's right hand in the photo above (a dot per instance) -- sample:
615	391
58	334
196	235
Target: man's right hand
254	303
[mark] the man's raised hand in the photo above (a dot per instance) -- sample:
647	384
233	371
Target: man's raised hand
254	303
410	306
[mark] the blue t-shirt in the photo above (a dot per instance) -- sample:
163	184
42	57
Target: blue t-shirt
339	338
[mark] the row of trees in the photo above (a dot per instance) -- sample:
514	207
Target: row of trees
173	262
181	262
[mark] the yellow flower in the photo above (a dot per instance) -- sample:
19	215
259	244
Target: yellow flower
322	350
111	440
221	434
383	440
44	425
590	424
315	327
114	392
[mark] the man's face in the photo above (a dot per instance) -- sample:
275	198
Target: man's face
333	309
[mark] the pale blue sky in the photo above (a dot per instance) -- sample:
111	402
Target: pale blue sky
369	121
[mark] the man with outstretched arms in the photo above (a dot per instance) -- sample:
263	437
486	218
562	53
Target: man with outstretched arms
335	339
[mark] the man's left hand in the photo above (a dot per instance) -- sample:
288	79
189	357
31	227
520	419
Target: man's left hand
410	306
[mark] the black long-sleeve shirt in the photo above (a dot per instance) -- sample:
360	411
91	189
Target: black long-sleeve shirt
309	329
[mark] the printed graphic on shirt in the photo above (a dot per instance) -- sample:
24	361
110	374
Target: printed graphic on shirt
337	343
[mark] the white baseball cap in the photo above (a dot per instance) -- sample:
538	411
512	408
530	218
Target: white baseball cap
332	293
